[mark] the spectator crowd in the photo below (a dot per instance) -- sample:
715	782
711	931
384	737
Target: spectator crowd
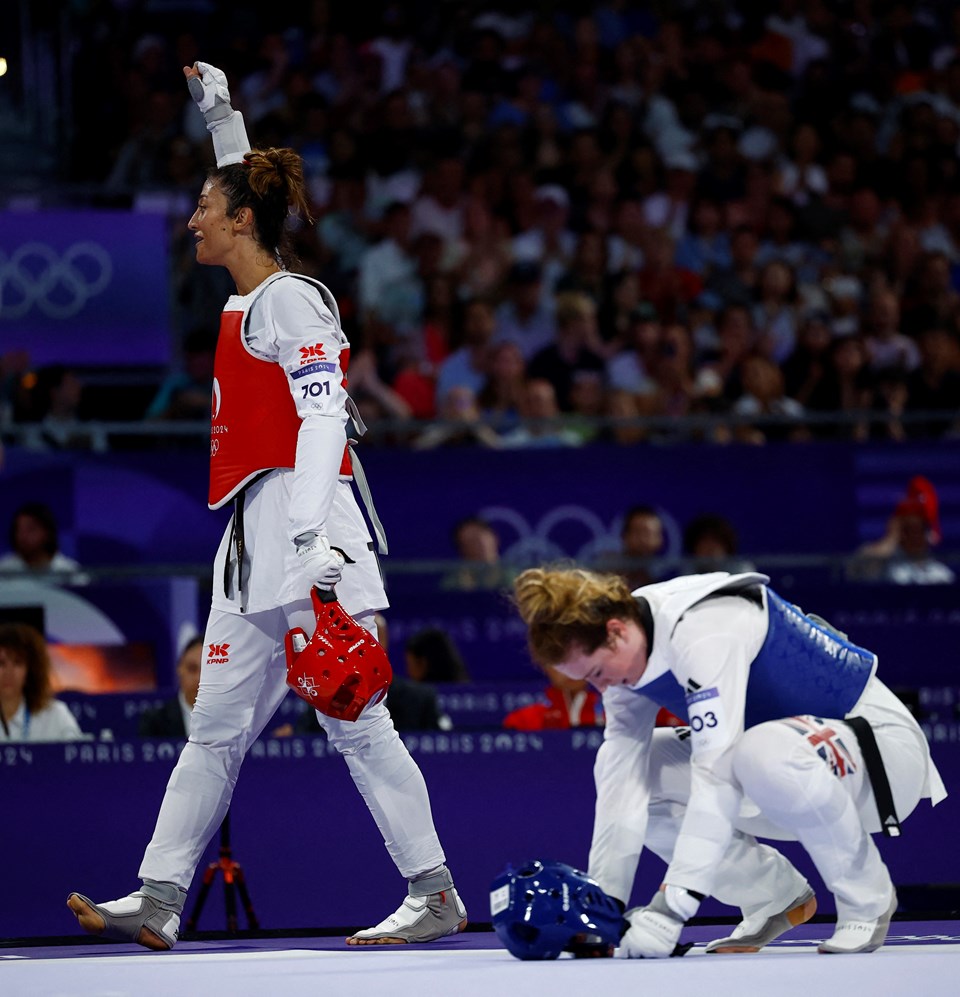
543	225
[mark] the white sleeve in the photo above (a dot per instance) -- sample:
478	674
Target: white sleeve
211	93
230	142
714	658
623	790
308	341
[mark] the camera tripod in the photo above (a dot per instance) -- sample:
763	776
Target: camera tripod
233	883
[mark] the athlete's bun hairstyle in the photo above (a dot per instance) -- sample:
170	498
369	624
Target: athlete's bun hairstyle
270	182
568	608
272	172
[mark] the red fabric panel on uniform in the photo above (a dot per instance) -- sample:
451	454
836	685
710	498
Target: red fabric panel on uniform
254	421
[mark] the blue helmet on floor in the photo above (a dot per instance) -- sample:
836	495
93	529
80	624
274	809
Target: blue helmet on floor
540	908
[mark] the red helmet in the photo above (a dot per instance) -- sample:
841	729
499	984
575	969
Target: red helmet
341	669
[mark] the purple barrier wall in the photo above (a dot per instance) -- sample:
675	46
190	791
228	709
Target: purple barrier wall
469	706
85	287
77	817
914	629
142	508
782	499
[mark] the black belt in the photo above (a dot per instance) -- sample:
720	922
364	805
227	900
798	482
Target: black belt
237	540
877	772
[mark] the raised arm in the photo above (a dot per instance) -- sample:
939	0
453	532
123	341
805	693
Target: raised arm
209	90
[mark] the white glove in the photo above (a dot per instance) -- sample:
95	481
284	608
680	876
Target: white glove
322	564
653	933
210	92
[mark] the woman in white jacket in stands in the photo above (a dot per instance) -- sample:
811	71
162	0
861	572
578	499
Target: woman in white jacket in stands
28	711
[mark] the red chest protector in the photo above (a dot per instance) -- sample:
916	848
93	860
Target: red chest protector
254	420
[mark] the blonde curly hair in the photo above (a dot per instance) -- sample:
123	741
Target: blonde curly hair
567	608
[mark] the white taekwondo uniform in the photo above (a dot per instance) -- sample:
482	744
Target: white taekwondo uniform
279	442
763	757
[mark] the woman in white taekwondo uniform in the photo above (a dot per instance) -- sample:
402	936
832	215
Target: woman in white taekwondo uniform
792	736
279	452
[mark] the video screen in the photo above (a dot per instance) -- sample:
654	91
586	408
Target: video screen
103	668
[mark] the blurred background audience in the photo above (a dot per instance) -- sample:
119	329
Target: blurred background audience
904	554
28	710
172	718
432	656
576	180
565	703
35	542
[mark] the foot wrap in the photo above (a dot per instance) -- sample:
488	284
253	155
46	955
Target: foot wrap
859	936
418	919
752	933
141	917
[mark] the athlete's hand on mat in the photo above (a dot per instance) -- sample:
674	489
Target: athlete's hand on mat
653	933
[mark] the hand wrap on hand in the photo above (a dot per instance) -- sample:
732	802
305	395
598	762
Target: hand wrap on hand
322	564
654	931
210	93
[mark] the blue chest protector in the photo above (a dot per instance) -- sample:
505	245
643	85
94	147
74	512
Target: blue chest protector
804	668
801	668
666	691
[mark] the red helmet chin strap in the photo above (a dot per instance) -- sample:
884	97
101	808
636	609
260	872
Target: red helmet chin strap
341	669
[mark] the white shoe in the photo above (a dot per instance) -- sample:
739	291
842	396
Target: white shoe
752	933
860	936
418	919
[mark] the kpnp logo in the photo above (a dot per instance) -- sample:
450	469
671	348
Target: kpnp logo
308	354
218	654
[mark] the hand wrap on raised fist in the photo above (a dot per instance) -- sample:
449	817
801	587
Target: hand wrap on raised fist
210	92
212	95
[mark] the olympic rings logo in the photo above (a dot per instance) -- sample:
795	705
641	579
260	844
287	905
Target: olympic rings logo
565	531
58	286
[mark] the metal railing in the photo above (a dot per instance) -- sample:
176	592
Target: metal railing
702	427
831	567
